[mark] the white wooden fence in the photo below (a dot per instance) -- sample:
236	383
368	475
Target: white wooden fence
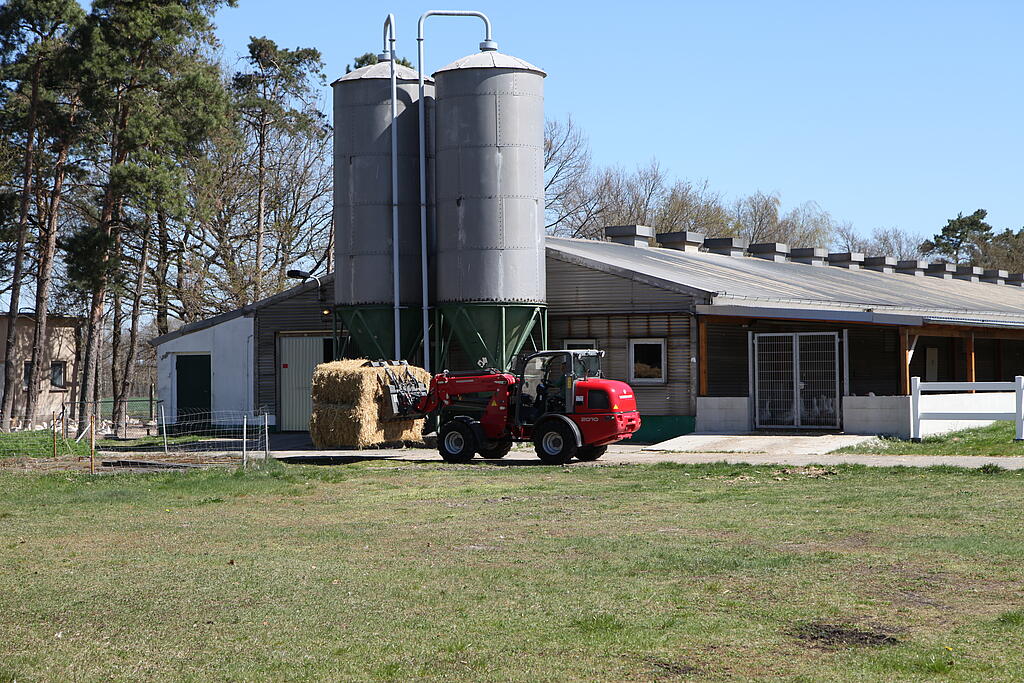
917	387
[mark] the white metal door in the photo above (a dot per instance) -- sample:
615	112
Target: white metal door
796	379
299	357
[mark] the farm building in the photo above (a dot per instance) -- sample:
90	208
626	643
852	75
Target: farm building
60	356
252	359
713	336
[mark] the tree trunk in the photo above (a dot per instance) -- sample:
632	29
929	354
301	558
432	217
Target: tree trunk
44	279
261	207
12	382
162	267
116	325
122	391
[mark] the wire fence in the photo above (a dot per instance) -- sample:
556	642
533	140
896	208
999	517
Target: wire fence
189	439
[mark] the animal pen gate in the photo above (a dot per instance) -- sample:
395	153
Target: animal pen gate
795	379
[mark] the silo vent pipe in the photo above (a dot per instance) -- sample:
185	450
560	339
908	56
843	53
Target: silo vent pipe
487	45
389	54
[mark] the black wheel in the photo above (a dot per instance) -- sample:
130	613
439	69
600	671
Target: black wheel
555	443
588	453
456	441
496	449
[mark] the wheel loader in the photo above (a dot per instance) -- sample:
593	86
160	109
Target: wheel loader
556	399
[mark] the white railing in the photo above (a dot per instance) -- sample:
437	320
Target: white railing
917	387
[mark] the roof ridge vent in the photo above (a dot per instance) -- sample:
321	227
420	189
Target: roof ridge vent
770	251
813	256
912	267
851	260
631	235
994	276
682	240
969	273
882	264
941	270
726	246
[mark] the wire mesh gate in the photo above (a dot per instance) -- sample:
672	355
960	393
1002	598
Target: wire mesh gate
796	379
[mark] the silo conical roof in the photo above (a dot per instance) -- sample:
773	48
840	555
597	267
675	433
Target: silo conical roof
490	60
382	70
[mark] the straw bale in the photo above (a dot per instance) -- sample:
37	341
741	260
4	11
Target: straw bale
349	410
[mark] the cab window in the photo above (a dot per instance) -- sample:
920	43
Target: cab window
597	399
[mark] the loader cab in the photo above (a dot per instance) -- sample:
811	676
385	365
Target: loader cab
546	381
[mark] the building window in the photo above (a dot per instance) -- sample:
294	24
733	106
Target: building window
59	374
25	373
574	344
647	361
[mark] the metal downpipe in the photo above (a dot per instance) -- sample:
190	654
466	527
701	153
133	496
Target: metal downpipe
487	44
389	35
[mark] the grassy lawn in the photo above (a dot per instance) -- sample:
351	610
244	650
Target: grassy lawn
39	444
996	439
390	571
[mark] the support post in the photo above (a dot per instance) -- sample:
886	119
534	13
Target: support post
245	453
969	344
92	444
163	427
904	361
53	428
266	437
915	408
702	356
1019	381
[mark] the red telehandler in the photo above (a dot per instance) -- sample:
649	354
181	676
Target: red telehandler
557	399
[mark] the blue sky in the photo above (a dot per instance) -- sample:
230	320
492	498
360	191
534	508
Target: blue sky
885	113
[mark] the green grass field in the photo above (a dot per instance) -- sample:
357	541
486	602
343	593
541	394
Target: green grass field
390	571
995	439
39	444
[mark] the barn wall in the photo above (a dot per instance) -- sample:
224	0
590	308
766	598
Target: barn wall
229	345
590	304
874	355
300	313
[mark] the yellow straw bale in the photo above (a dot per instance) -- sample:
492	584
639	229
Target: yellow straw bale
349	409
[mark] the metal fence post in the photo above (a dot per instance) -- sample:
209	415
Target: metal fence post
53	428
92	444
163	428
1019	381
245	452
266	437
915	408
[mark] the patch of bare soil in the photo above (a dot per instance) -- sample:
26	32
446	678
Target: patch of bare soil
838	635
669	669
811	472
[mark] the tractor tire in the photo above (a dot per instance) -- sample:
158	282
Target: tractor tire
456	441
588	453
496	449
555	443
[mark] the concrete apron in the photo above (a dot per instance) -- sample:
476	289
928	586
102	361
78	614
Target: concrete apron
769	444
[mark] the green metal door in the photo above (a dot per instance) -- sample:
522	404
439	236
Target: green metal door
192	376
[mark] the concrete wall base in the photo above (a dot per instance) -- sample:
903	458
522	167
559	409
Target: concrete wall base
723	415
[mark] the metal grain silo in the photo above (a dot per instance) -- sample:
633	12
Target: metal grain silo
363	283
489	193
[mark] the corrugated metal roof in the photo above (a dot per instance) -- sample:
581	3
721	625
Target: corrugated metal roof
382	70
490	60
748	281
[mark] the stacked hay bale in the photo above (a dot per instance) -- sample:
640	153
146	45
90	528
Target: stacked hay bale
349	409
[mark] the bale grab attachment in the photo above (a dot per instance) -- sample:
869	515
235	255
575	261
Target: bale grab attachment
403	392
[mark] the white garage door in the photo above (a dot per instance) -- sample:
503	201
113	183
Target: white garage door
299	357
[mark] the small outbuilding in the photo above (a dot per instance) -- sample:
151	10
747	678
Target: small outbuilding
254	359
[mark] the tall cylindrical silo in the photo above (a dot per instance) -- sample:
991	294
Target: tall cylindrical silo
489	193
363	281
